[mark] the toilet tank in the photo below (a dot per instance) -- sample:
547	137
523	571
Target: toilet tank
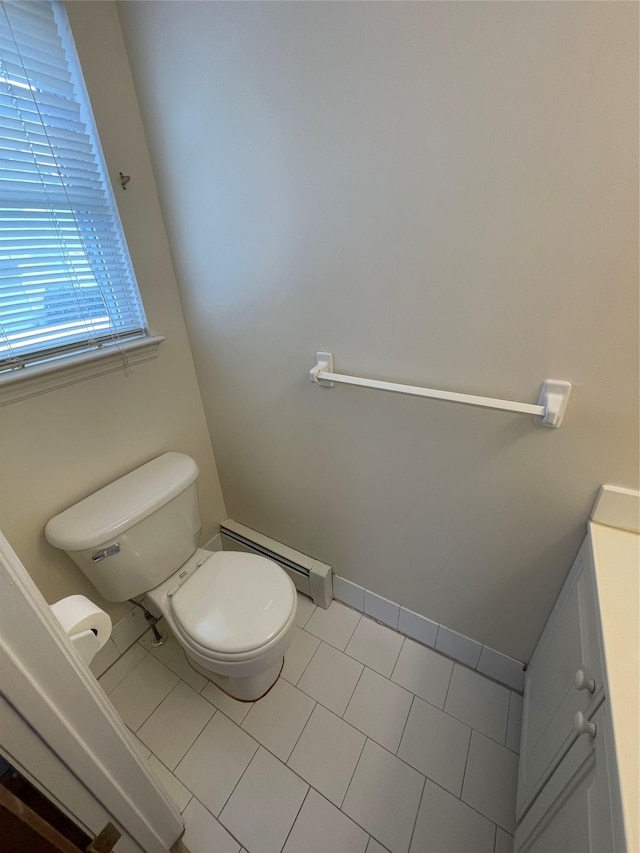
134	533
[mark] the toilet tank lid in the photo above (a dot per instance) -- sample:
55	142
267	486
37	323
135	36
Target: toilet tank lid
115	508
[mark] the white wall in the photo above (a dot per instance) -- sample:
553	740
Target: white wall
439	193
58	447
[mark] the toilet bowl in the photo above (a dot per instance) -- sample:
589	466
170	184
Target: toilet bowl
234	616
233	613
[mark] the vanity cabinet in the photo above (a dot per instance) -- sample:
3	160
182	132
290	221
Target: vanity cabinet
569	644
568	798
575	809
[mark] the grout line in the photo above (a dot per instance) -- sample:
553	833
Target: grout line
405	723
354	630
432	704
380	844
511	699
475	728
355	687
346	791
127	673
400	647
311	637
312	656
231	793
155	708
292	771
308	784
318	701
415	820
362	663
466	762
398	658
184	756
301	733
406	764
348	816
315	607
235	722
249	706
448	688
172	771
324	797
506	728
284	844
382	624
195	738
468	805
173	657
306	621
295	773
453	660
217	820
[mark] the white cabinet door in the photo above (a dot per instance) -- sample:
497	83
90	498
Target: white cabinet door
569	642
575	811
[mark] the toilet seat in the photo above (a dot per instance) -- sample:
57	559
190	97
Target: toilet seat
234	607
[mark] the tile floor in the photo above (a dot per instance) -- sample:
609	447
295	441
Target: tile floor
369	743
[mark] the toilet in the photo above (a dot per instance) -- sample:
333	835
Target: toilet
233	613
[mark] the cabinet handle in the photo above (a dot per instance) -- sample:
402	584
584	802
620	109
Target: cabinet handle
583	726
583	682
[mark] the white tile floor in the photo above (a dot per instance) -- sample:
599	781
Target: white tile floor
369	743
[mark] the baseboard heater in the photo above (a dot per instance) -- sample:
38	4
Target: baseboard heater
309	576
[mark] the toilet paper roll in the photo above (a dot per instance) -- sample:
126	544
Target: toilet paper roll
77	613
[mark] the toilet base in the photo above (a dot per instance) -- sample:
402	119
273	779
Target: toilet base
247	689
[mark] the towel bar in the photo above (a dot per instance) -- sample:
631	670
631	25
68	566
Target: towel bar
549	410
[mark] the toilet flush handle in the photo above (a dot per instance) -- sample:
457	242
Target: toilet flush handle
99	556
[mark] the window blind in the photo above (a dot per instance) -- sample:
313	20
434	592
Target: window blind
66	280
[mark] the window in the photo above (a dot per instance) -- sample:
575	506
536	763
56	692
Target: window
66	281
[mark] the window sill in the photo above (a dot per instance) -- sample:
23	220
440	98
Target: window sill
38	379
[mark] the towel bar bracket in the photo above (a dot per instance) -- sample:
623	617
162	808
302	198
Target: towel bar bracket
324	362
554	395
548	412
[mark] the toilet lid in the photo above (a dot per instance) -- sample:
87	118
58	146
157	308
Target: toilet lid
234	602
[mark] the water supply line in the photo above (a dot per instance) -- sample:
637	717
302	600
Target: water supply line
160	638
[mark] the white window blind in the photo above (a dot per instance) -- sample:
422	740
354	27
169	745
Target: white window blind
66	281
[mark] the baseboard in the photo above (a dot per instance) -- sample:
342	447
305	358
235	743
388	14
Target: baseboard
471	653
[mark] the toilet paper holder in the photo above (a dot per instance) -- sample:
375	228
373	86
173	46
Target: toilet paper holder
85	624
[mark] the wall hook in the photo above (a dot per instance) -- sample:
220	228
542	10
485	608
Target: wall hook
124	180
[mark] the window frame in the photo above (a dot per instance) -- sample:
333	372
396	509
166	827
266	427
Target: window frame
74	363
